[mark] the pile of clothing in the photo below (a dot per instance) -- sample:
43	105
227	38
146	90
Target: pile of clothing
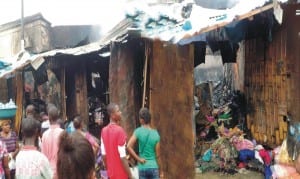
232	153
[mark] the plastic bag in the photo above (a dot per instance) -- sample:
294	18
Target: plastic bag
283	156
11	163
135	172
207	155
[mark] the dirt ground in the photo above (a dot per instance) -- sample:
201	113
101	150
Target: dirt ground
216	175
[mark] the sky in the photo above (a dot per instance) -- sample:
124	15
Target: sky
106	13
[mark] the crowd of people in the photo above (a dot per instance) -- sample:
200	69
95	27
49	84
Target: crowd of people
47	150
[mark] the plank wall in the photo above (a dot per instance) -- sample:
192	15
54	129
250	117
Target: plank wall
272	80
81	92
122	83
171	104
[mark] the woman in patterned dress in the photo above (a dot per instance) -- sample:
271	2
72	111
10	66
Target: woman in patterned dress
11	141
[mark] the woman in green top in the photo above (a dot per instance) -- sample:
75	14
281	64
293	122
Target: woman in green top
148	140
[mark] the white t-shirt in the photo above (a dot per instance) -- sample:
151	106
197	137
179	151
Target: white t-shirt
32	164
45	124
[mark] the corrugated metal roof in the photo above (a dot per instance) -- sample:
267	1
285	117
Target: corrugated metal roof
181	21
25	59
164	22
112	35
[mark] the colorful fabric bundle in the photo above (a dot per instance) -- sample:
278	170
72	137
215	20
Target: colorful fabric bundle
246	155
241	143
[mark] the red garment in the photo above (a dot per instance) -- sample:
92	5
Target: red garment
264	154
241	165
113	136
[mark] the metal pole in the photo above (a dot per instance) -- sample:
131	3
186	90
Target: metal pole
22	26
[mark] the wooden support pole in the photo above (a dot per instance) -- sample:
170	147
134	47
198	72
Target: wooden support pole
145	75
19	100
63	92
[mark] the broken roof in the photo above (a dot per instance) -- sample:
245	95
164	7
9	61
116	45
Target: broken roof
178	21
24	58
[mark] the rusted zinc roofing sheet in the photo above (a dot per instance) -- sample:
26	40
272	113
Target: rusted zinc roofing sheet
170	28
174	22
24	58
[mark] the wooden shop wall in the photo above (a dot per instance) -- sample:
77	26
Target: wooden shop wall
272	72
72	77
123	84
170	97
171	104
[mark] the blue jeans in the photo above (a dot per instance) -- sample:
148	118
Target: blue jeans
149	173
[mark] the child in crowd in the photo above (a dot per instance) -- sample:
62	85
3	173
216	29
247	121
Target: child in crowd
78	124
30	163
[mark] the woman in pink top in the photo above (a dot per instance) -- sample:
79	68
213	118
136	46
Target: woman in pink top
77	122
